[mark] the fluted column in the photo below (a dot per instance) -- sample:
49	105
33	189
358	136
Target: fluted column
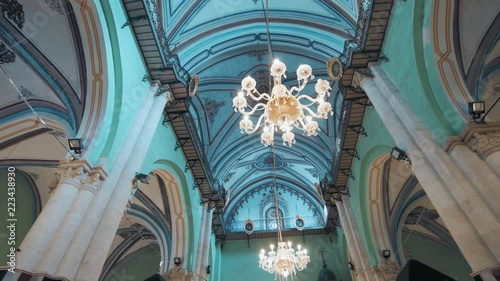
463	231
71	175
96	254
76	250
67	229
201	236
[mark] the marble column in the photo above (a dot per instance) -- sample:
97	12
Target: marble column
355	244
201	236
463	189
206	245
484	140
71	175
95	256
474	249
67	229
76	250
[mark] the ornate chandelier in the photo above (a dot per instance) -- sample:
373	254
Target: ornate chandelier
282	109
285	261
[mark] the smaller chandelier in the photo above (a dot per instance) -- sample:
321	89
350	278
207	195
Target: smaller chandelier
285	261
282	108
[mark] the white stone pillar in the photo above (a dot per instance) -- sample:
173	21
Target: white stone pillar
478	171
65	233
201	236
71	174
206	244
352	246
484	140
485	220
463	232
76	250
95	256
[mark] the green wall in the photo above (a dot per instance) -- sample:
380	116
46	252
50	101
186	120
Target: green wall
242	263
138	267
437	256
25	211
411	67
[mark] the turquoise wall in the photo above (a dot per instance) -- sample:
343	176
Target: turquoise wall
126	70
437	256
377	142
242	263
25	212
161	155
411	67
137	267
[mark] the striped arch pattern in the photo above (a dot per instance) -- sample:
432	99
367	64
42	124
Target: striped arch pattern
178	215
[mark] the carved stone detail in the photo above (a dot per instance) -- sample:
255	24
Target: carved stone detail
14	11
484	144
6	55
71	172
389	270
56	5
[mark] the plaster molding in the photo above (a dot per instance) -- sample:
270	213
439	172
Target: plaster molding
484	139
71	172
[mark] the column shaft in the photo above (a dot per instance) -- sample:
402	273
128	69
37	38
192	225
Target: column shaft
464	233
41	233
96	254
459	186
201	236
206	244
352	246
83	236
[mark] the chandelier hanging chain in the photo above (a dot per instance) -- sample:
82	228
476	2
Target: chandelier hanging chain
276	201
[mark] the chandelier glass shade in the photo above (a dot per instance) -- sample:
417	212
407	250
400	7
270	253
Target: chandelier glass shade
285	261
283	109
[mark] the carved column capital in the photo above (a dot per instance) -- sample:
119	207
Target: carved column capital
389	270
484	139
72	172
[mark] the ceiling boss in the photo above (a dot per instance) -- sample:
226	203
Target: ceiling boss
283	109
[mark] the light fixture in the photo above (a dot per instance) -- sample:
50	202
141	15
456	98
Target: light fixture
351	266
208	269
177	261
282	108
398	154
476	108
143	178
285	261
75	145
386	253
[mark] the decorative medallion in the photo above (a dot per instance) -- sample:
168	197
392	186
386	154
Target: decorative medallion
14	11
211	109
26	93
334	68
193	85
259	54
6	55
266	161
56	5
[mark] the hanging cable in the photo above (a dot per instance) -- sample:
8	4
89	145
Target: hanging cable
35	113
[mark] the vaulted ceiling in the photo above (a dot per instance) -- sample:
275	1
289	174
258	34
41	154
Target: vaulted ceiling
224	41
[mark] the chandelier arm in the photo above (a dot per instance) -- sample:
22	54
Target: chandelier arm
257	126
298	89
259	96
311	112
313	100
242	110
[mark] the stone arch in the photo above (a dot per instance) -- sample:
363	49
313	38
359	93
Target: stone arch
178	213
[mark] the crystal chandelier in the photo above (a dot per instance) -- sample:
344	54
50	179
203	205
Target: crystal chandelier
285	261
283	109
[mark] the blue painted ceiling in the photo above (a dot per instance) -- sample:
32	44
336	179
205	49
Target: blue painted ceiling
223	41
